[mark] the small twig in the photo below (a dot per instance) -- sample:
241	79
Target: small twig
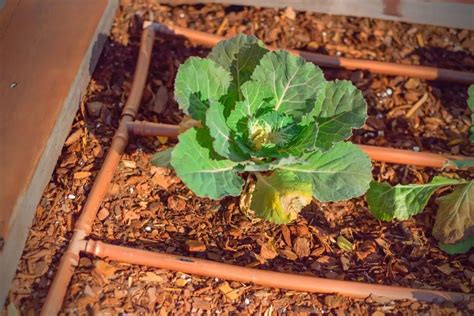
417	105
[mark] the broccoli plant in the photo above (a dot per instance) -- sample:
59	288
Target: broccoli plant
271	115
454	222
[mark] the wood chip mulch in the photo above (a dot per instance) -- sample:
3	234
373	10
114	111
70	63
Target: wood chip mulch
149	208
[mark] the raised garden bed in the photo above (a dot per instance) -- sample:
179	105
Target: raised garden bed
159	213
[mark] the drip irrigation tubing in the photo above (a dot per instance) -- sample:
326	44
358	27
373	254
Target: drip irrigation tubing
386	68
273	279
83	226
79	242
376	153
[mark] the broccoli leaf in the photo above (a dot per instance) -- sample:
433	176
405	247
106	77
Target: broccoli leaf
255	99
238	55
462	246
224	143
342	172
470	103
201	169
460	163
280	197
304	141
342	109
455	217
402	201
197	82
162	158
272	165
295	83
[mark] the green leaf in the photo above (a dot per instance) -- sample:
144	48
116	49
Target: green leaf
255	99
461	163
238	55
270	128
162	158
470	103
197	82
295	83
344	244
201	169
224	143
304	141
266	166
280	197
455	215
402	201
343	109
460	247
341	173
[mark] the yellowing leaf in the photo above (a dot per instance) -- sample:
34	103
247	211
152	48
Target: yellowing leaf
181	282
455	215
162	139
343	243
280	197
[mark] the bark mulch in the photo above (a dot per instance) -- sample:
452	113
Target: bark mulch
149	208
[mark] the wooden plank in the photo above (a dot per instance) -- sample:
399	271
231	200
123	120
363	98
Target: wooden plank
48	50
450	13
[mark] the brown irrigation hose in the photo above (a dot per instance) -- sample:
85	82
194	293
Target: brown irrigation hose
408	157
266	278
376	153
83	226
422	72
144	128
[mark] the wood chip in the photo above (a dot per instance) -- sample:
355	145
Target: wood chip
286	234
74	137
417	105
302	247
104	269
162	180
195	246
445	268
229	292
94	108
288	254
161	99
82	175
129	164
290	13
345	262
152	277
103	214
268	251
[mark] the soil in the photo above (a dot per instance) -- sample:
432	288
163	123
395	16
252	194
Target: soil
149	208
